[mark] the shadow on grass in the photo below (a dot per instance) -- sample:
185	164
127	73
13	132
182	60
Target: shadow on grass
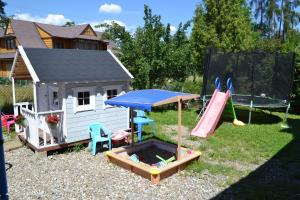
278	178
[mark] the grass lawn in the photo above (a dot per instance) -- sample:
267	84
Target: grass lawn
258	161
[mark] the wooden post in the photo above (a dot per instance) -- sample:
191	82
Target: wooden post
16	112
13	90
179	127
132	126
35	136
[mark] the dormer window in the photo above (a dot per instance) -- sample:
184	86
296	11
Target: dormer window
58	45
10	43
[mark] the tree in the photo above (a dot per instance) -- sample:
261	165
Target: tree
3	18
289	17
69	24
272	12
151	53
222	24
259	11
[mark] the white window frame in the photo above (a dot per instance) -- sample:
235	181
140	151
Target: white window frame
91	106
111	87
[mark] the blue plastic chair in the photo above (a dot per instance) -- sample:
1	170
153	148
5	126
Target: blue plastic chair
96	130
140	120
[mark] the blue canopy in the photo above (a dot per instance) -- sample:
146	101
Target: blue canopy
146	99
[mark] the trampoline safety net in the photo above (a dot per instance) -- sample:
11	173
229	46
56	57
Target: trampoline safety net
263	78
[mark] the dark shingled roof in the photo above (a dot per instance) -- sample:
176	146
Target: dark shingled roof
27	34
74	65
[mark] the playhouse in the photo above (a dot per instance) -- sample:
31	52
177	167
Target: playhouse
69	90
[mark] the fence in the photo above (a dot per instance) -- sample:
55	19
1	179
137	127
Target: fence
24	93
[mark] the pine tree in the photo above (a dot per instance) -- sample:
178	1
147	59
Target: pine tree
3	17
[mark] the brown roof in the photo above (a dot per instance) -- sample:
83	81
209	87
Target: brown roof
67	32
27	34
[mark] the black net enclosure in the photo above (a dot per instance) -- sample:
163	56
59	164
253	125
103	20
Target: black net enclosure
260	79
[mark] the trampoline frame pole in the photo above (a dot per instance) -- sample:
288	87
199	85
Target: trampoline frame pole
250	110
286	113
3	179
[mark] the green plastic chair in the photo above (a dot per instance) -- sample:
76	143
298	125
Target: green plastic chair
99	133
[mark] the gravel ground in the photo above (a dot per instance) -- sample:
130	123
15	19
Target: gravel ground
79	175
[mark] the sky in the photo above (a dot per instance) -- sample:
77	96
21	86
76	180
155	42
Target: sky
127	13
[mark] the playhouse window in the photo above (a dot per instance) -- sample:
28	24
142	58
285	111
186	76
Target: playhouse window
112	93
84	99
55	98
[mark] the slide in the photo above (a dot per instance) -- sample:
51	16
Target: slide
212	114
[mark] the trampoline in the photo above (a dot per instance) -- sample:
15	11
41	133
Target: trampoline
260	79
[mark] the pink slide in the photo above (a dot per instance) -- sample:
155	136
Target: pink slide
212	114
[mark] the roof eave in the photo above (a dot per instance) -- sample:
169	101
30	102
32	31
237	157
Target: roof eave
27	62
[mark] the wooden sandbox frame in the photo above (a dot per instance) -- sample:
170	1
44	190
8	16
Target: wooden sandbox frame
155	174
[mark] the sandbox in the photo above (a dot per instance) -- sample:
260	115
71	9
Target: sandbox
147	151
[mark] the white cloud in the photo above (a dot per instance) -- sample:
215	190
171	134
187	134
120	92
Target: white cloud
55	19
110	8
173	29
93	24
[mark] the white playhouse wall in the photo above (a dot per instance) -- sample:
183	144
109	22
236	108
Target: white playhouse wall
77	122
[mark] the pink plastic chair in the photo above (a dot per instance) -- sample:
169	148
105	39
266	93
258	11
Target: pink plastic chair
7	121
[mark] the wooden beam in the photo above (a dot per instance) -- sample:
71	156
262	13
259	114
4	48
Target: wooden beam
132	126
175	99
13	90
179	128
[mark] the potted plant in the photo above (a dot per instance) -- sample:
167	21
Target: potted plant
53	120
20	120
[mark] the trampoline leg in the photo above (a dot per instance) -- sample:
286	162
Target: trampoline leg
203	101
286	113
251	105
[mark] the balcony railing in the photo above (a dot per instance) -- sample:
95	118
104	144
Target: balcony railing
36	129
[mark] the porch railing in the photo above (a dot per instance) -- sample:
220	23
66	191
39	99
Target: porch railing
37	130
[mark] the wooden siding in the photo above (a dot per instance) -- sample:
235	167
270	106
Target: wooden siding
5	66
9	30
88	31
46	37
48	42
102	46
21	72
77	122
67	43
42	33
